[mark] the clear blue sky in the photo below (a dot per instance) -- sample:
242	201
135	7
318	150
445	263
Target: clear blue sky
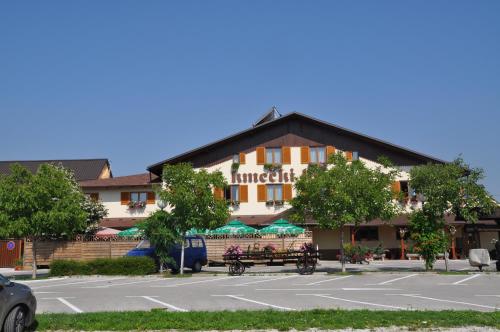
137	82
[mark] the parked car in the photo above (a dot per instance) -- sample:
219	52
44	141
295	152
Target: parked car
17	306
195	253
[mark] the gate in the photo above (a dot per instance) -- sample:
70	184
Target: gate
10	252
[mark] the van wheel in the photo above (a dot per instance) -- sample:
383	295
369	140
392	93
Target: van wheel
15	321
197	267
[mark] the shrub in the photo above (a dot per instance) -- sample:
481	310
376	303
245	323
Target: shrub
104	266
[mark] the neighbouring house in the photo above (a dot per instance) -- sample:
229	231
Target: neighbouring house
128	199
83	169
262	163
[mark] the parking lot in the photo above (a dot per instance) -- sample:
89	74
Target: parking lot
377	291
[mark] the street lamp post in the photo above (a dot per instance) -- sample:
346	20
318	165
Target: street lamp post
161	204
453	230
402	232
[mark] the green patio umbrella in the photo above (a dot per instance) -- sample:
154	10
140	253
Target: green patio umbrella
194	231
282	226
134	231
234	227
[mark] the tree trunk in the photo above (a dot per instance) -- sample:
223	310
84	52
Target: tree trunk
342	259
446	253
182	256
33	251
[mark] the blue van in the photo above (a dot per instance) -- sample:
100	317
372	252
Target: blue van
195	253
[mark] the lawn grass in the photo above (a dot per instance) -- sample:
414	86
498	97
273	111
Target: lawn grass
158	319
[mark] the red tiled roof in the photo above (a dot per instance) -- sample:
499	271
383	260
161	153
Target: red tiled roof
119	223
136	180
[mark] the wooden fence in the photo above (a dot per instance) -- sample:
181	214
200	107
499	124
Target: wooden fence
82	250
47	251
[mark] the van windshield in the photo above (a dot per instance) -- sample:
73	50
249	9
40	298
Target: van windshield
144	244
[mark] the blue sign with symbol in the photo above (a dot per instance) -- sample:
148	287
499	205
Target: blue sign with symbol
11	245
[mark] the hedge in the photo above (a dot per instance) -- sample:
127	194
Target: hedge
104	266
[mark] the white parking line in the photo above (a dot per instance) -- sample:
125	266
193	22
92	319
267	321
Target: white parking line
75	309
77	283
39	280
357	302
266	280
64	301
370	289
127	283
489	295
150	298
258	302
193	282
322	281
447	301
396	279
468	278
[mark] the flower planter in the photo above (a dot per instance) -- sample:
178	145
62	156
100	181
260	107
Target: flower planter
414	256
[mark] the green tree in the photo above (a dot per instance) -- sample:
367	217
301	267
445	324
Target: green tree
44	205
95	211
343	193
160	231
188	194
450	188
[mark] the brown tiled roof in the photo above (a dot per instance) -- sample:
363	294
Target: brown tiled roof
84	169
136	180
267	123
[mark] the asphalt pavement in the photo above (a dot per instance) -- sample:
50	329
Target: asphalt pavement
279	291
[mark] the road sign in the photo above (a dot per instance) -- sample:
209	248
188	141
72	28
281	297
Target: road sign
11	245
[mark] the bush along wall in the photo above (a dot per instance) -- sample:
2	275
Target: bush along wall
104	266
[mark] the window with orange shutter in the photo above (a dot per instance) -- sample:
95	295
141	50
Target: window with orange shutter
304	155
260	155
287	156
261	193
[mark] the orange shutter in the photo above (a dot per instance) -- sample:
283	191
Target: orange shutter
286	155
348	155
125	198
94	197
329	150
396	189
304	155
242	158
218	193
261	193
243	188
151	197
261	155
287	192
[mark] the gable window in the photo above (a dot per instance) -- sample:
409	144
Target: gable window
236	158
273	156
355	155
317	155
274	192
